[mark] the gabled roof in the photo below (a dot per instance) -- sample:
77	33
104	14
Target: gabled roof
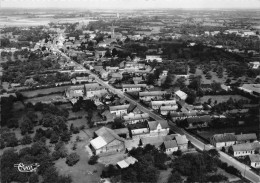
254	157
126	162
93	87
136	116
227	137
181	94
133	85
181	139
98	142
107	134
249	136
243	147
170	144
152	93
119	107
166	102
205	118
169	108
153	124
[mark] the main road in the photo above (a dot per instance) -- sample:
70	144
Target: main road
244	169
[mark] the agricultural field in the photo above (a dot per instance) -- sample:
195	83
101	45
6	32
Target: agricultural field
221	98
47	91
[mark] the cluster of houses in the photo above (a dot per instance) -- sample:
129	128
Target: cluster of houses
240	145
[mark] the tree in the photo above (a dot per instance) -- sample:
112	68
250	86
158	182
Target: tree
54	138
72	159
150	79
217	178
33	178
26	140
12	123
65	136
175	177
213	153
93	160
11	141
26	126
118	123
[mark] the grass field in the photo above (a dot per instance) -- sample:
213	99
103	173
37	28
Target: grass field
48	98
221	98
34	93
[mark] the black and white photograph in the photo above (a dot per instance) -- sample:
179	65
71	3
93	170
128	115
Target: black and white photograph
130	91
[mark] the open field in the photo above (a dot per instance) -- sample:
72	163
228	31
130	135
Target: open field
34	93
25	21
221	98
48	98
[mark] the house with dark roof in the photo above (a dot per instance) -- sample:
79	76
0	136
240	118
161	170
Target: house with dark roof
254	160
198	121
106	141
159	127
245	149
223	140
245	138
169	146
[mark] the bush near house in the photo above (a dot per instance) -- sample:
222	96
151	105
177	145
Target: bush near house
72	159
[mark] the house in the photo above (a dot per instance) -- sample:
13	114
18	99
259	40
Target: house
151	95
103	74
127	162
133	87
254	65
106	141
181	95
117	76
119	110
183	115
75	92
254	160
170	146
152	140
153	57
159	127
198	121
157	104
245	138
223	140
165	110
112	69
94	89
238	150
182	142
134	118
138	129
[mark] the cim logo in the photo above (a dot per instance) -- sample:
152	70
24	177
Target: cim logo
27	168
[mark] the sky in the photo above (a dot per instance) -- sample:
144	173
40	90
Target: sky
133	4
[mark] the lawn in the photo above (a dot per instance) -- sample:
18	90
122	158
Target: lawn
48	98
221	98
164	175
34	93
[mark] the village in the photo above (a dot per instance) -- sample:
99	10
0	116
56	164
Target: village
107	99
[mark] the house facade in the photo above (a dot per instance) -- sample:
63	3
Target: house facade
223	140
106	141
119	110
152	95
238	150
159	127
170	146
135	118
94	89
157	104
133	87
254	160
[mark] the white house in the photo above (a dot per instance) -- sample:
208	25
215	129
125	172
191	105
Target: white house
153	57
94	89
242	149
133	87
223	140
170	146
157	104
159	127
164	110
254	65
254	160
151	95
132	118
182	142
251	88
119	110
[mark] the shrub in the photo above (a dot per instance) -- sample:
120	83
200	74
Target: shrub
72	159
56	155
26	140
93	160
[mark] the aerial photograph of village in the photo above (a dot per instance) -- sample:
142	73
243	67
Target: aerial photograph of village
130	91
